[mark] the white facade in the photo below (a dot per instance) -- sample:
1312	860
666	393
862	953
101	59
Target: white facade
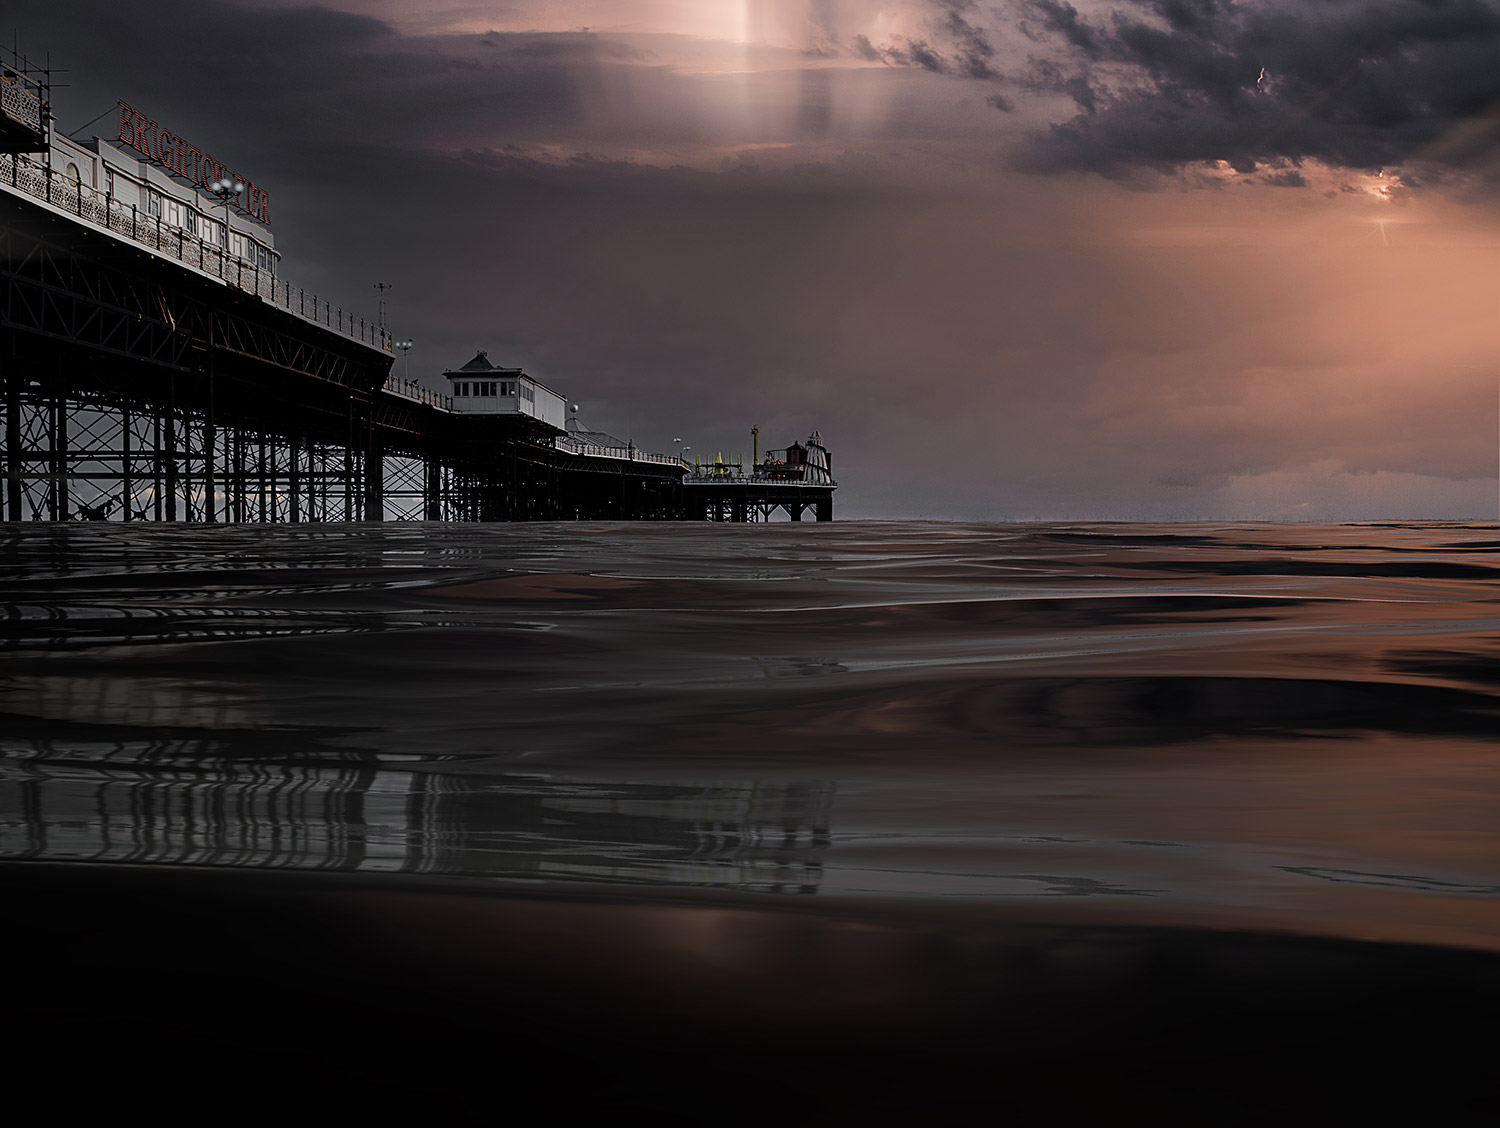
548	406
161	197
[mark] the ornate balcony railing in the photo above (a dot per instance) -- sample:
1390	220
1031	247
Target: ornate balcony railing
21	103
25	176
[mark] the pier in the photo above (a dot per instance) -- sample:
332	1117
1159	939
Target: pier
156	365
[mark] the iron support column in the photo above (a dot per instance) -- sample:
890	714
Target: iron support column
170	450
210	443
61	511
374	470
12	382
126	505
432	479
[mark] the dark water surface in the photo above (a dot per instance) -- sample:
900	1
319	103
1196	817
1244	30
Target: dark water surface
811	822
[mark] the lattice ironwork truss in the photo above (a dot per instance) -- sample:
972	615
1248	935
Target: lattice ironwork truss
105	458
154	311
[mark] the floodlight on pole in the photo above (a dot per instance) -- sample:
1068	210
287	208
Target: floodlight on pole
227	189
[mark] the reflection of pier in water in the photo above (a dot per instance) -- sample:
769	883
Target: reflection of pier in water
185	803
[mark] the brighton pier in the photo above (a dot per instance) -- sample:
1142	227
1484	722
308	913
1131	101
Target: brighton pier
155	365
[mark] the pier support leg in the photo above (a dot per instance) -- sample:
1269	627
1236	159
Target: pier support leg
158	487
61	511
432	489
238	490
127	500
825	510
12	382
169	453
263	483
294	474
210	459
374	481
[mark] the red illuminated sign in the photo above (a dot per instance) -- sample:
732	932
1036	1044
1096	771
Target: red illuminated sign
188	161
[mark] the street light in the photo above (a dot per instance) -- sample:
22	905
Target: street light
405	347
226	189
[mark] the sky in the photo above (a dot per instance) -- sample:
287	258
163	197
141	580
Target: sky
1014	259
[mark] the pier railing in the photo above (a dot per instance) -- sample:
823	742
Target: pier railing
628	453
24	176
705	477
411	390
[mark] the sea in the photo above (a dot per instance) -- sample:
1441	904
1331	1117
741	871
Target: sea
806	822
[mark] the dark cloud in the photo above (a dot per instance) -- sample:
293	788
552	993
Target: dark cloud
965	48
974	52
321	76
915	53
1286	178
1079	89
1061	17
1050	77
1355	83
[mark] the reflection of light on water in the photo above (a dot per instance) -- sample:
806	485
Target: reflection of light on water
179	803
1394	880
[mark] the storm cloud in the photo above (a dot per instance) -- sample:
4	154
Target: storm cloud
690	227
1362	84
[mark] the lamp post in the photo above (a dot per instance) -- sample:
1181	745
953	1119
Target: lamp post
405	347
226	189
679	449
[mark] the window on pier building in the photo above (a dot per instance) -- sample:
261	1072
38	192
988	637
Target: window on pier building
153	203
477	388
177	214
